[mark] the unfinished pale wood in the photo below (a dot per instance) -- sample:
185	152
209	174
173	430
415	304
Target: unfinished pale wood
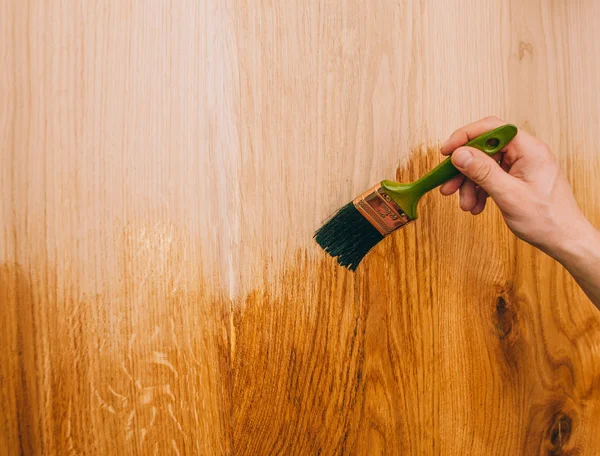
163	167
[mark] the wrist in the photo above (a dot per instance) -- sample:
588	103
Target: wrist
580	243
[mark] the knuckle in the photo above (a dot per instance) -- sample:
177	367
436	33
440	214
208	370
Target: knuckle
493	118
482	172
545	153
458	132
545	148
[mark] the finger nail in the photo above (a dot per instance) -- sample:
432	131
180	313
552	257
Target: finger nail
462	157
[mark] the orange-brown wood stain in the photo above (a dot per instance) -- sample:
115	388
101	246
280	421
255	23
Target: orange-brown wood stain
430	347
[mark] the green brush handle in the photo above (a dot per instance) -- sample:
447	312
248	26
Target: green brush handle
408	195
491	143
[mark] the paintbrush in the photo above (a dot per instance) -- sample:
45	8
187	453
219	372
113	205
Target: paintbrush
358	226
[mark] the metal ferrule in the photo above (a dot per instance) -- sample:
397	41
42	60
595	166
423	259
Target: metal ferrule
381	210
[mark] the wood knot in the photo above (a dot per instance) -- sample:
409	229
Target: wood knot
505	318
525	49
560	432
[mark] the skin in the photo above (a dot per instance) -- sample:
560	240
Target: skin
534	196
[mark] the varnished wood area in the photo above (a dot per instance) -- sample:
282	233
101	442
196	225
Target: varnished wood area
163	167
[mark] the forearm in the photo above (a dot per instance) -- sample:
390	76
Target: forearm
581	257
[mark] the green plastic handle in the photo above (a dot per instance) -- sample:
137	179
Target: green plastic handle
491	143
407	196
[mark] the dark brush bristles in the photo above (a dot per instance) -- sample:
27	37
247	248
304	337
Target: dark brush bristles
348	236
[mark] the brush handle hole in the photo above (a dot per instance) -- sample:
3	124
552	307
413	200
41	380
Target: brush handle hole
491	144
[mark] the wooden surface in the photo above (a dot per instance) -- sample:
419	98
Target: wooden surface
163	167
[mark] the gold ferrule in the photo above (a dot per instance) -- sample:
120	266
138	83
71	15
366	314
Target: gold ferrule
381	210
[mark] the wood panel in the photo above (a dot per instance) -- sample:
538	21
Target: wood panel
164	165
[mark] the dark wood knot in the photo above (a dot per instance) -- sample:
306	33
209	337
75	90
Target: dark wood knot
561	429
505	318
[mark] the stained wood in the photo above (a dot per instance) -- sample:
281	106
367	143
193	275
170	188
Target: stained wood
164	165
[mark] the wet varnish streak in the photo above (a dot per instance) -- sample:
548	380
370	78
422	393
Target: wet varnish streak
451	338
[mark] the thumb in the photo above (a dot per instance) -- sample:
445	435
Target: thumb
483	170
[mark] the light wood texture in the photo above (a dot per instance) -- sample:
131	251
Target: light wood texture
163	167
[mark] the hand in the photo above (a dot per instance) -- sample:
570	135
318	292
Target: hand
528	186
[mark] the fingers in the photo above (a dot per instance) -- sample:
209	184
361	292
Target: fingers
451	186
522	146
464	134
472	198
481	200
468	195
485	172
525	146
503	177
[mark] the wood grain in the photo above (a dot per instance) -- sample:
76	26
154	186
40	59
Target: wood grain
163	168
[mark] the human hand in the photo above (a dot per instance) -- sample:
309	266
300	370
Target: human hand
528	187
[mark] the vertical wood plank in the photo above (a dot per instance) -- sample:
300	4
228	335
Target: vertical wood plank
163	168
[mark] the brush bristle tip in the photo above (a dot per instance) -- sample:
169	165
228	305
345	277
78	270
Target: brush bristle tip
348	236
